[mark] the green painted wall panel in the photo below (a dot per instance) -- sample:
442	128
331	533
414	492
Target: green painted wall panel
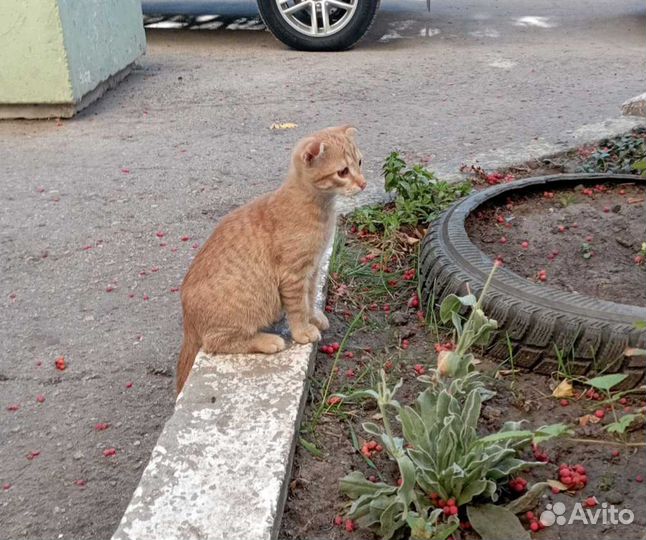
33	64
56	51
101	38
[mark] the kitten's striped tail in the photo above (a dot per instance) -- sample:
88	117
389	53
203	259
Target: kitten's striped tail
190	347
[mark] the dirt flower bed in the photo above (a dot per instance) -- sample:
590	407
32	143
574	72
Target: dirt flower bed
351	440
588	240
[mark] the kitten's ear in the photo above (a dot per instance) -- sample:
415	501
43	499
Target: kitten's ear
312	151
350	132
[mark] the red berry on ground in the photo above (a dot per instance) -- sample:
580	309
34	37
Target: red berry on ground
556	490
101	426
40	398
109	452
561	229
338	521
616	453
60	363
447	510
503	239
639	478
185	238
129	384
564	403
349	525
334	400
524	244
405	344
13	408
600	413
591	502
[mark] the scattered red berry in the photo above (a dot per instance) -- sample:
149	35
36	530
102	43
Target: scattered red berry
32	455
524	244
348	354
405	344
419	369
60	363
350	525
13	408
503	239
534	526
6	486
591	502
600	413
109	452
639	478
80	483
606	209
334	400
129	384
338	521
561	228
185	238
615	453
40	398
564	403
101	426
160	234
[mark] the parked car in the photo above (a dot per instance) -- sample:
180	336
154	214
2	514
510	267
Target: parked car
307	25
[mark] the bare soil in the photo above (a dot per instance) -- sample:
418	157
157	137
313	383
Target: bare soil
587	239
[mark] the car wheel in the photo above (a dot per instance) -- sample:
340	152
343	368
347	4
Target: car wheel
318	25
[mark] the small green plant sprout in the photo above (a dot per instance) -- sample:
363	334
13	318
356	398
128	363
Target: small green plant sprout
567	199
443	461
586	250
475	331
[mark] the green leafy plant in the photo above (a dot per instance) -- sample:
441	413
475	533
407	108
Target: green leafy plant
623	154
419	198
440	454
435	441
477	330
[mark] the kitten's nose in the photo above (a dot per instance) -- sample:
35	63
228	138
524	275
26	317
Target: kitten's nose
361	182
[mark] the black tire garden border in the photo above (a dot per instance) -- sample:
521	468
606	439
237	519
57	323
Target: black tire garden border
593	333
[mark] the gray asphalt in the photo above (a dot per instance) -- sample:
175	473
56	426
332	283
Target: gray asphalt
191	127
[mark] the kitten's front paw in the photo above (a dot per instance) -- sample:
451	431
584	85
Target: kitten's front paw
319	320
268	343
306	334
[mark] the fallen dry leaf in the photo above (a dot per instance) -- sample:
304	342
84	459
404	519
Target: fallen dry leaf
588	419
563	390
557	484
285	125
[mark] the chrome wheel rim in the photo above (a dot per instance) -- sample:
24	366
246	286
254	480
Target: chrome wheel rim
317	18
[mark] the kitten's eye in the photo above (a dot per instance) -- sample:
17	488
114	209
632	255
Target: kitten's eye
360	162
343	172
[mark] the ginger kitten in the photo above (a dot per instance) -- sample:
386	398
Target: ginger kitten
263	258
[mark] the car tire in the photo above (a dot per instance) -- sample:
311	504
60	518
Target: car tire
345	37
532	318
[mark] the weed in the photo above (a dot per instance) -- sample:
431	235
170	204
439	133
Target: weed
566	199
419	198
625	154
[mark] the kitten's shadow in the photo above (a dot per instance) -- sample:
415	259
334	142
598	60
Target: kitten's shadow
280	328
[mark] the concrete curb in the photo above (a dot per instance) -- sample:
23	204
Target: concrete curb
222	463
221	466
